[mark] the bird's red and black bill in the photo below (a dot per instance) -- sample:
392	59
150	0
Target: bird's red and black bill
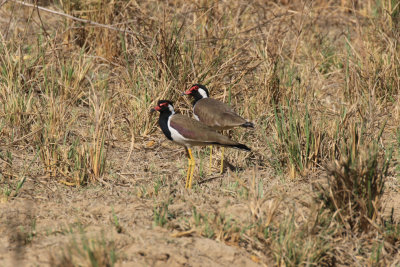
160	106
193	88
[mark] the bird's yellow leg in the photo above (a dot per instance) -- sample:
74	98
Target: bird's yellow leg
190	157
191	175
210	170
222	159
188	173
192	163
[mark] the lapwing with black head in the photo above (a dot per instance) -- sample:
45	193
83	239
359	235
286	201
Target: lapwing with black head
188	132
214	113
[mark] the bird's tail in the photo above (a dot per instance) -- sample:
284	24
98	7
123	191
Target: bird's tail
241	146
247	125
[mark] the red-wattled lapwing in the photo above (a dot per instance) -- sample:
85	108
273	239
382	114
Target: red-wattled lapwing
214	113
188	132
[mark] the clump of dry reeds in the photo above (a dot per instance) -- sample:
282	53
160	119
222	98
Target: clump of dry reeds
356	181
86	252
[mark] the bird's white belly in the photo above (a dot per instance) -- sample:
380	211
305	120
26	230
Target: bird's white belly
176	136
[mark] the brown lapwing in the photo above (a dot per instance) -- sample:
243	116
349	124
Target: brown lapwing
188	132
214	113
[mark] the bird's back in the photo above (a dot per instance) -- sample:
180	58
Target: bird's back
217	114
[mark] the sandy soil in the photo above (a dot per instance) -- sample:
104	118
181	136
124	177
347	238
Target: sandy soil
46	217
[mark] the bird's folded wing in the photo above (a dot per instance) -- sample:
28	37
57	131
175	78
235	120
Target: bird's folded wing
216	113
196	131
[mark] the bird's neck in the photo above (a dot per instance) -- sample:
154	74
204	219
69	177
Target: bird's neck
163	122
198	97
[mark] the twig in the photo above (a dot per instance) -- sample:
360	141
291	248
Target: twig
75	18
24	137
40	18
2	3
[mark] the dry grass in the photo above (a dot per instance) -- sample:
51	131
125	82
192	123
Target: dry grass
320	80
86	252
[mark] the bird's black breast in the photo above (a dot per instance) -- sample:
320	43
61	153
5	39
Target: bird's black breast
163	122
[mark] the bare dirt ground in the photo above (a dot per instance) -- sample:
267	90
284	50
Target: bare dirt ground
46	216
49	219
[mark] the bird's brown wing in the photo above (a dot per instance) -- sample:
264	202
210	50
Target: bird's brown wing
217	114
197	132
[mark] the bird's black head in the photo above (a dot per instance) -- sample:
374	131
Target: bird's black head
164	105
198	91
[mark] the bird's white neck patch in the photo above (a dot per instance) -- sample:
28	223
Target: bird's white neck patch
171	108
202	93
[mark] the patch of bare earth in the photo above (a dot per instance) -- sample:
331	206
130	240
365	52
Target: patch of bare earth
45	220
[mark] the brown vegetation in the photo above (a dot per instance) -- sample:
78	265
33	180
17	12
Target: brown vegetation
87	178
